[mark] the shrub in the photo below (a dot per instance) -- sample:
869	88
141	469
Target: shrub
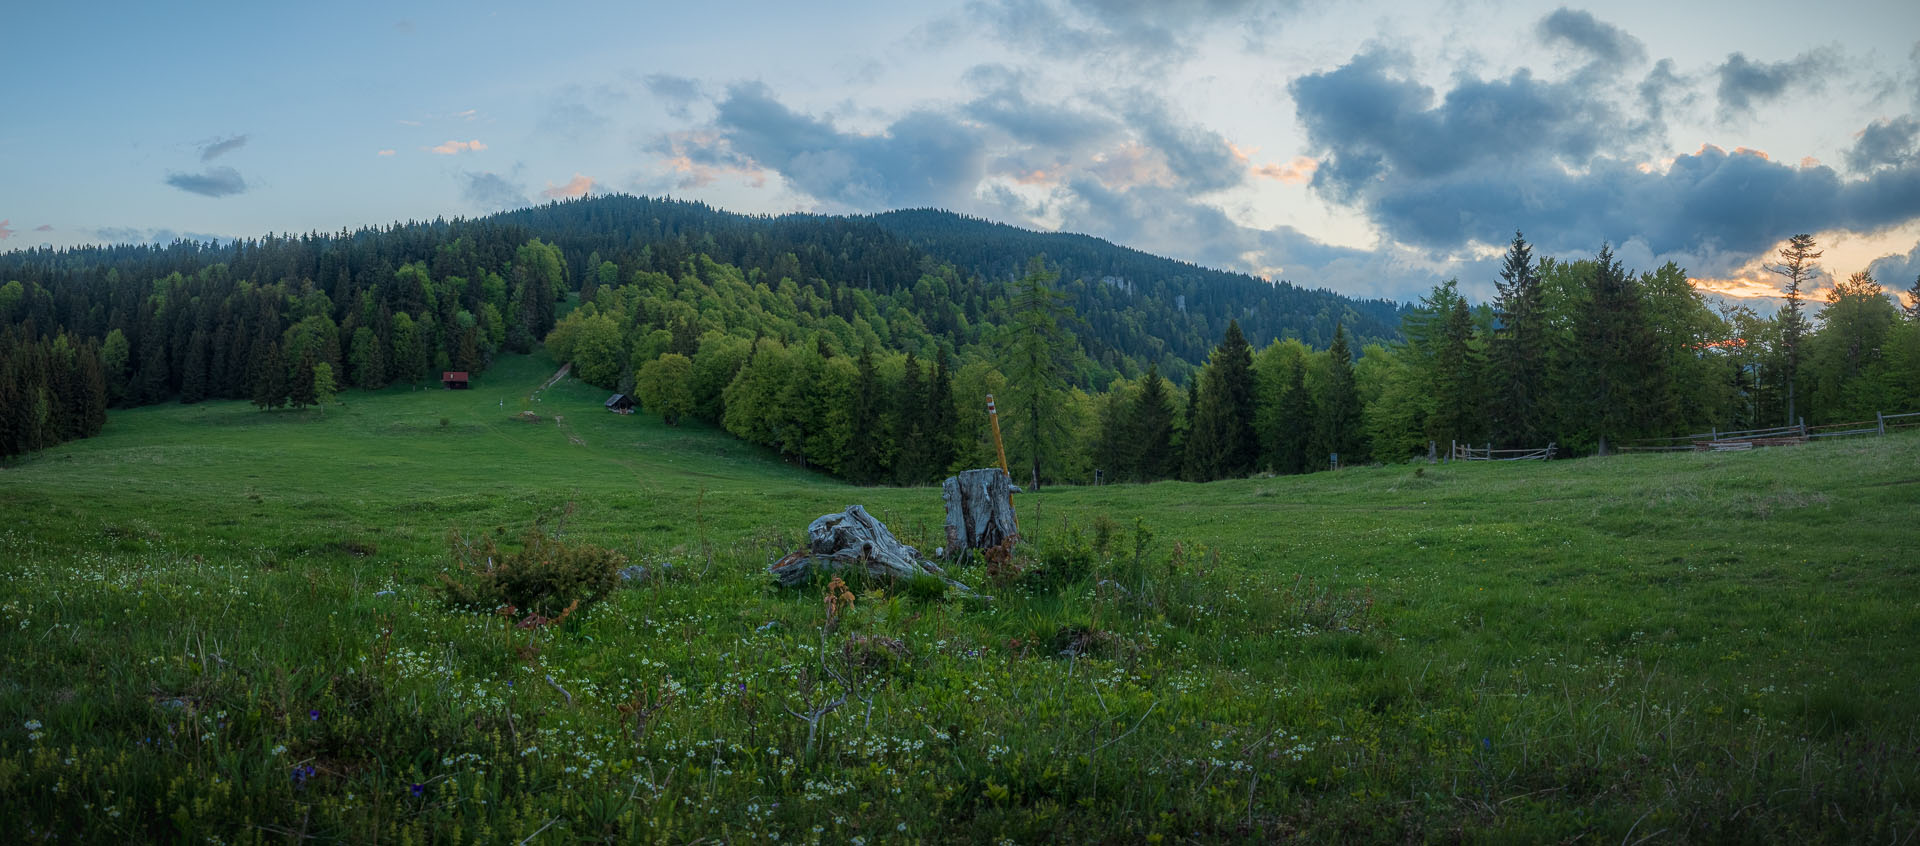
545	577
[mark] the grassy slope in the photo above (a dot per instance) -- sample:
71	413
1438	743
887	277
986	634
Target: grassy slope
1706	646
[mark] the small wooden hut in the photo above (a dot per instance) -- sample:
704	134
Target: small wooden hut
620	404
455	380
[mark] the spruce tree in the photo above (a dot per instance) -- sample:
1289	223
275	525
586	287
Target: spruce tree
1458	410
1036	354
300	387
1614	348
1518	351
1797	267
941	430
1297	413
909	412
1151	427
1338	425
864	459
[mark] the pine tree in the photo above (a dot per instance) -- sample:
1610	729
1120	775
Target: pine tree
941	429
1913	301
1151	428
1036	354
864	463
1518	361
1458	410
1797	267
269	377
1337	427
1615	348
1222	443
1296	421
300	388
911	467
193	379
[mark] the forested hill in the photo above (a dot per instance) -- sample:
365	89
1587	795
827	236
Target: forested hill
1118	289
1135	308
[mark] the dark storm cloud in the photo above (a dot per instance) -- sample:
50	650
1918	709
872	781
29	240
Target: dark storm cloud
1885	142
219	147
922	159
1490	156
1605	42
491	191
212	182
1378	124
1746	84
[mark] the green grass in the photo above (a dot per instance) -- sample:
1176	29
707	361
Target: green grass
205	601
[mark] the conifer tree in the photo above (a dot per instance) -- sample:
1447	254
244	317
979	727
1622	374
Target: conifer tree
864	459
1517	364
269	376
1036	354
1458	410
1151	428
1337	426
1614	346
942	420
1796	267
910	467
1222	443
300	389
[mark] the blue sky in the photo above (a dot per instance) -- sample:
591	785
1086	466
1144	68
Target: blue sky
1372	148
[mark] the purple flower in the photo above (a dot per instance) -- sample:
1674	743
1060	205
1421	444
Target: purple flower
419	790
313	714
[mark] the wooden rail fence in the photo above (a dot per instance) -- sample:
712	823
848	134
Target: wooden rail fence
1715	440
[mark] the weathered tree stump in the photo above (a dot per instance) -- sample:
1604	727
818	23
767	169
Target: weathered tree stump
980	513
853	538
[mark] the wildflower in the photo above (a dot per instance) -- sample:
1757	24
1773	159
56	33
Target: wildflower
279	750
419	790
33	725
313	714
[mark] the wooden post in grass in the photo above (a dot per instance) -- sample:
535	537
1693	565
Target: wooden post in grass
1880	421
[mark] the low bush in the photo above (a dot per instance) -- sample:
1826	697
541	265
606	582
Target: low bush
546	576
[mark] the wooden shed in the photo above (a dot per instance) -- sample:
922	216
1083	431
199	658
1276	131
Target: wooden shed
620	404
455	380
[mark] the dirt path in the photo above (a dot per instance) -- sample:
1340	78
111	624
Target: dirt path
557	376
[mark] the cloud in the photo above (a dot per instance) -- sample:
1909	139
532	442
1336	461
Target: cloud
384	153
578	186
44	227
1445	172
1060	128
1898	272
1200	159
456	147
1297	171
5	231
492	192
924	158
1745	84
129	235
1605	42
220	147
212	182
1885	142
1141	35
678	92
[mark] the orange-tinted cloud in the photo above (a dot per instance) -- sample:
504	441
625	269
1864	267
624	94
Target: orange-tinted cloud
1299	171
455	147
44	227
578	186
1749	151
384	153
5	233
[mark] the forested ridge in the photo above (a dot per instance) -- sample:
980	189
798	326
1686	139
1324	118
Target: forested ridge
253	318
867	346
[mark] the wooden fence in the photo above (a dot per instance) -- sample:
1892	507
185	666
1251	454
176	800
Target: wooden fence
1715	440
1468	452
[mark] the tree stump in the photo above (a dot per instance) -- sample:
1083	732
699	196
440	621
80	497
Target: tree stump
853	538
980	513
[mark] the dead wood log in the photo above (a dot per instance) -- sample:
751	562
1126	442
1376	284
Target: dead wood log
853	538
980	513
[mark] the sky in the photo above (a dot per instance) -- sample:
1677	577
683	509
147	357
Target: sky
1374	149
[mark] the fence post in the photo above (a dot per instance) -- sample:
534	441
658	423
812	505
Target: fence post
1433	450
1803	427
1715	434
1453	450
1880	419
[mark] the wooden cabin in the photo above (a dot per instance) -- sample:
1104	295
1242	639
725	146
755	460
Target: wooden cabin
455	380
620	404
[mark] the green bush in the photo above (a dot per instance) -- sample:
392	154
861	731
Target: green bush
545	577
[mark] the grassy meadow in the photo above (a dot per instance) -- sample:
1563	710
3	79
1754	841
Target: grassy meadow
222	625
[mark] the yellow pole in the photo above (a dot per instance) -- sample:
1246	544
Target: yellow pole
994	415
